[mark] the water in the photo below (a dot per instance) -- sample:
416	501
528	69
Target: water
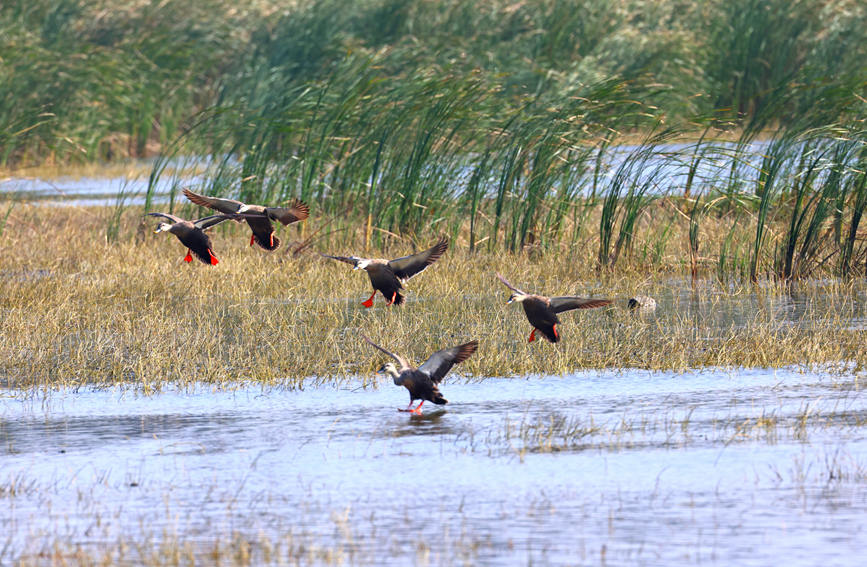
630	467
670	162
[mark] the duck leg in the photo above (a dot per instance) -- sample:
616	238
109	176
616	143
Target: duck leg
369	302
417	410
188	257
408	408
214	260
391	301
252	239
556	334
532	335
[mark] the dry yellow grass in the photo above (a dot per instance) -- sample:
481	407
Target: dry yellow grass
75	309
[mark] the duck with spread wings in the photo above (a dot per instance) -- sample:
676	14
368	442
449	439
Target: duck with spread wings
192	234
258	217
423	382
388	276
542	311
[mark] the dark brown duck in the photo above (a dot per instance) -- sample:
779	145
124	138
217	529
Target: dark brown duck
258	217
388	276
423	382
192	234
542	311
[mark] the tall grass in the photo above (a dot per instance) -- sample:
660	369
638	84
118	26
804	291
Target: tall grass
131	310
100	80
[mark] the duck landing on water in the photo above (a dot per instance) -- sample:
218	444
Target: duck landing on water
388	276
192	234
542	311
423	382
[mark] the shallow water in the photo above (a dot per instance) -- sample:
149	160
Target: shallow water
85	191
632	467
671	162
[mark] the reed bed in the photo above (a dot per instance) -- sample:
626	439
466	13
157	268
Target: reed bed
85	81
78	309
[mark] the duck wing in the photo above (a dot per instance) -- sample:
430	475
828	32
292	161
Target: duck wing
508	285
213	220
567	303
228	206
408	266
440	362
354	260
172	218
404	365
295	212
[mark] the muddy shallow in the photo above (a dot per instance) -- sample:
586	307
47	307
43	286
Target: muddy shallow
630	467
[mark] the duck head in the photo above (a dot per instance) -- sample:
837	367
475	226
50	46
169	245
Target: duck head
390	369
519	297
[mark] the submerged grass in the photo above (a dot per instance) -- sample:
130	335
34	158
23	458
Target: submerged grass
80	305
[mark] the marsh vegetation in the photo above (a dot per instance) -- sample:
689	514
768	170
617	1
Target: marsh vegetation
711	155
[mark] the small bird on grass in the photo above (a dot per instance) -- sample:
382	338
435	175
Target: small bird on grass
542	311
423	382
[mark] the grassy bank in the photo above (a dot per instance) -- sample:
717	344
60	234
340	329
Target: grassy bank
78	308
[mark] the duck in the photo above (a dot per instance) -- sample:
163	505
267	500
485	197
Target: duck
423	382
642	304
259	217
388	276
192	234
542	311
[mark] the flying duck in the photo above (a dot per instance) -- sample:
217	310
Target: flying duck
542	311
423	382
257	216
192	234
388	276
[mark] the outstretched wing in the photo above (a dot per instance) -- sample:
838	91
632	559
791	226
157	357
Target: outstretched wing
400	360
408	266
567	303
508	285
440	362
228	206
295	212
354	260
213	220
172	218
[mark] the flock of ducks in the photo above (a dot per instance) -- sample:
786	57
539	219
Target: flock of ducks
386	277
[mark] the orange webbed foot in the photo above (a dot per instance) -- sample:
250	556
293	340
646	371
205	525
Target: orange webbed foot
188	257
214	260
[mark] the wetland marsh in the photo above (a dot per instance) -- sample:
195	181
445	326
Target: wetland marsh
159	413
710	155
